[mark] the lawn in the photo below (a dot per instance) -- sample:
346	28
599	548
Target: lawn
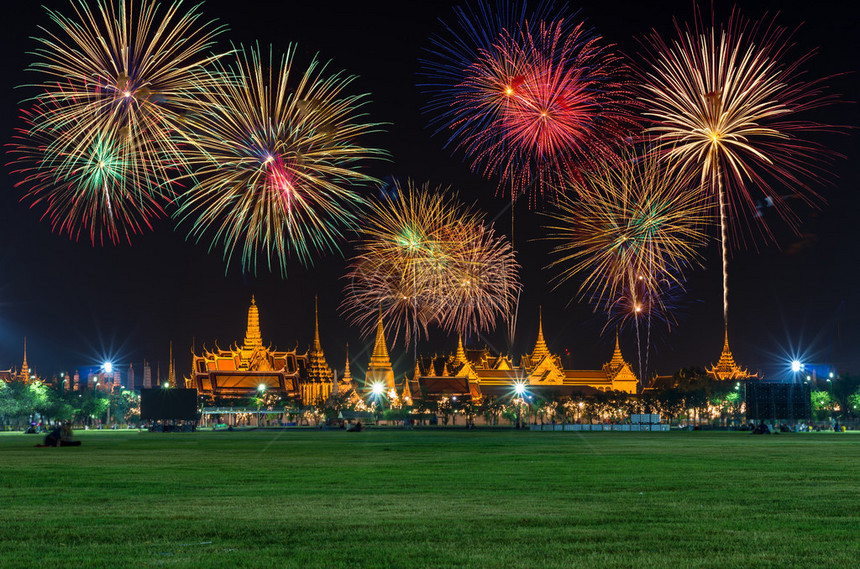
433	498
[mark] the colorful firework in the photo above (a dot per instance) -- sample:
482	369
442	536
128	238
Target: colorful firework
724	104
277	160
631	238
114	76
82	184
527	102
426	259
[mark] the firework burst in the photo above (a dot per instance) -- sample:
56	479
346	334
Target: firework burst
527	99
424	258
116	80
631	238
724	103
277	160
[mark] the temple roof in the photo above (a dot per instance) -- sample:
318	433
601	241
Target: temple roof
541	349
726	367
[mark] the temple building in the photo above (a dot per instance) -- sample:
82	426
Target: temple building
243	371
379	369
474	374
24	375
726	368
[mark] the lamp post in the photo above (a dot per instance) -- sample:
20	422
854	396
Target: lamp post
261	389
520	389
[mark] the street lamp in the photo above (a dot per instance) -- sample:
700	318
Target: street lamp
261	389
519	389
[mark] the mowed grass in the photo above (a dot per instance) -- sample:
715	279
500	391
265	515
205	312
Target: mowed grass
433	498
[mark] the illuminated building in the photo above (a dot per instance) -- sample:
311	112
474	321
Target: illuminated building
241	371
726	368
379	369
130	378
474	374
22	375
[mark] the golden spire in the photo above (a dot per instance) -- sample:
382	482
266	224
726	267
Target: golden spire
727	368
347	375
317	346
417	371
253	338
25	369
616	363
540	346
460	357
318	369
171	368
380	358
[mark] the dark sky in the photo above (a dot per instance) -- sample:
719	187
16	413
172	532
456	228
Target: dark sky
78	305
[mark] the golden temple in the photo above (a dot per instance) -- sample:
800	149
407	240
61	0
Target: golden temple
726	368
474	374
247	370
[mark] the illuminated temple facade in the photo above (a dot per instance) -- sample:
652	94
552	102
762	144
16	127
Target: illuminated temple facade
475	374
241	370
24	375
726	368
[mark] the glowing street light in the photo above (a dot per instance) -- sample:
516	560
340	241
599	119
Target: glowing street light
796	365
108	367
261	388
378	388
520	388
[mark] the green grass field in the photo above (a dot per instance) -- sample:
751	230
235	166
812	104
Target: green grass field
435	498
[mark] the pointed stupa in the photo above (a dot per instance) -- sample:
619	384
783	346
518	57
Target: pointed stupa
380	358
460	356
617	359
379	369
318	369
25	369
540	346
171	367
347	375
417	372
253	338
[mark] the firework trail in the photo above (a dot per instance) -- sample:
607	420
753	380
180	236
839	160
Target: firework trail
116	81
723	103
634	230
277	160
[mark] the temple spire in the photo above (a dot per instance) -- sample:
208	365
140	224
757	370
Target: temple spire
347	375
253	337
171	368
25	369
540	346
317	346
380	358
460	357
318	369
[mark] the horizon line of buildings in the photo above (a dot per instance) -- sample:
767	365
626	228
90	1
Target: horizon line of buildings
244	370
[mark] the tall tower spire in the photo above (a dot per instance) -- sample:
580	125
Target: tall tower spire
171	368
253	338
540	346
379	370
317	346
318	369
347	375
380	358
460	356
25	369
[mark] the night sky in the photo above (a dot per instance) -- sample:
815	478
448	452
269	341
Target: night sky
79	305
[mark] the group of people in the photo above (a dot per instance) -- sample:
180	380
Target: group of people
60	436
